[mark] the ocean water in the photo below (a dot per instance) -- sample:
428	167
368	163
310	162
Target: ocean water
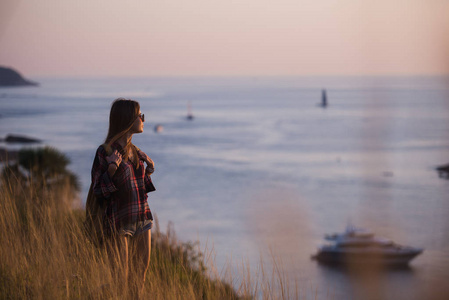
264	171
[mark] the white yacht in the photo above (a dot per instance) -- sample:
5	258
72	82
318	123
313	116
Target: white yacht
357	245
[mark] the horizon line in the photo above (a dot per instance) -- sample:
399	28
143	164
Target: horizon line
66	76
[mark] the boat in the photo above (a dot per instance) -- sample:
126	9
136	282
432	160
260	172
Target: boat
351	232
443	171
323	98
189	112
158	128
358	245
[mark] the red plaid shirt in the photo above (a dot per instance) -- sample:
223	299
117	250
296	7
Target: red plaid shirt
125	193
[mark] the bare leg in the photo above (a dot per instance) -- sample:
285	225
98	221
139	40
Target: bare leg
141	260
122	248
118	256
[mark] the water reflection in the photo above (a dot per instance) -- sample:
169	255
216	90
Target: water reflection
362	282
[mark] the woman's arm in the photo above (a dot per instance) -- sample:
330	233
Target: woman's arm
150	163
149	187
103	169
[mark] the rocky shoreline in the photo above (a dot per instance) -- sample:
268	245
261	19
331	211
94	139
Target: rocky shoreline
11	155
19	139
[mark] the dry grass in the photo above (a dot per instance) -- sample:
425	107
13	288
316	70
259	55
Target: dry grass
45	254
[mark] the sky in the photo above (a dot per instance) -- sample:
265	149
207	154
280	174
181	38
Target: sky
224	37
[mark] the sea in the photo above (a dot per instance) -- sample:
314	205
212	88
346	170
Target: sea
263	171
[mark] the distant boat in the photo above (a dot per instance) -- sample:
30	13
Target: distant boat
158	128
443	171
323	98
358	245
189	111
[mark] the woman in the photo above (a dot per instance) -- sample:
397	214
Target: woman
121	180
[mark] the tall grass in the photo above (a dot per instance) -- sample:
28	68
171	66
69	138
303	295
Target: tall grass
45	254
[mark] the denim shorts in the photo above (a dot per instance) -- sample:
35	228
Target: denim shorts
137	228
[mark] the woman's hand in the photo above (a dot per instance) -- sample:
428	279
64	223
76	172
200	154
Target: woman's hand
150	166
114	160
150	163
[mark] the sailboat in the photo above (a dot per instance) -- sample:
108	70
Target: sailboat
189	111
323	98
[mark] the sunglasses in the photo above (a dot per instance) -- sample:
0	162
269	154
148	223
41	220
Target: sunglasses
142	117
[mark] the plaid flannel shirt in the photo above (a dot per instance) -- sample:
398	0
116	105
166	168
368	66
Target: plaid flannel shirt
125	193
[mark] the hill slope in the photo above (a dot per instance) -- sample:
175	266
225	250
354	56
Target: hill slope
10	77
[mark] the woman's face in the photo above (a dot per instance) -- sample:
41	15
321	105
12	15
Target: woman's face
138	124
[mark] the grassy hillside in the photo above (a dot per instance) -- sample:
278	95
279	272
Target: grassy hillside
45	252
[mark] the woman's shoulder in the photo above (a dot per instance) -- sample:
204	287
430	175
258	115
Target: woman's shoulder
104	150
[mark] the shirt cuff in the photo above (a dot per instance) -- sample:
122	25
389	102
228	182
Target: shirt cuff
108	184
149	186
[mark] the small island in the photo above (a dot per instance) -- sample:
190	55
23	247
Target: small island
10	77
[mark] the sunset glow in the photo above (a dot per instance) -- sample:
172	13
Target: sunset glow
204	37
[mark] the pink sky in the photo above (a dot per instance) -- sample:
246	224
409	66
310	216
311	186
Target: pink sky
226	37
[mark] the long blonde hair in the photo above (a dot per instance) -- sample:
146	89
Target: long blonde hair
121	119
